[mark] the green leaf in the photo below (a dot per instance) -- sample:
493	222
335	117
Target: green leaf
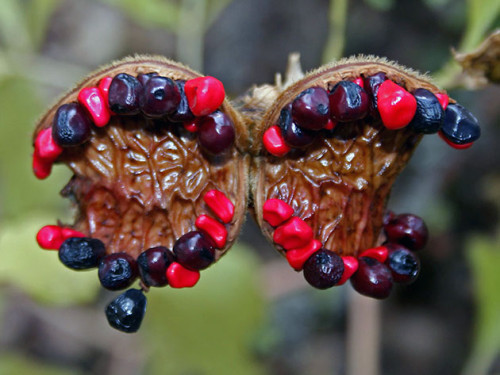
484	256
37	272
38	15
207	329
19	365
481	15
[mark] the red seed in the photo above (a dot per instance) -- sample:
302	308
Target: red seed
350	267
443	99
191	126
454	145
45	146
274	142
103	87
295	233
330	125
297	257
69	232
41	167
215	230
395	105
92	99
204	95
380	253
359	81
222	207
276	212
50	237
181	277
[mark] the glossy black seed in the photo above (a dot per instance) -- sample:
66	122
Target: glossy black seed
153	264
182	113
125	312
460	126
195	250
143	78
310	109
81	253
117	271
429	115
372	84
161	97
348	102
294	135
323	269
216	132
403	264
125	94
71	126
408	230
372	279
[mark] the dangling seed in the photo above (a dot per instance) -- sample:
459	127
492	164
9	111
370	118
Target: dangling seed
181	277
126	312
460	126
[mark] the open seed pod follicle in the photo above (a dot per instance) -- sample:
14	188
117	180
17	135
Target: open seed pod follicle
163	165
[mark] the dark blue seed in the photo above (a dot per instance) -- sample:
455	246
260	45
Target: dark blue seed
323	269
182	113
161	97
372	84
403	264
216	132
372	279
194	250
294	135
125	312
143	78
310	109
81	253
460	126
125	94
348	102
71	126
153	264
117	271
429	115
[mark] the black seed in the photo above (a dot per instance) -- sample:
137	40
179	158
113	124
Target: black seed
153	264
429	115
125	94
403	264
161	97
195	250
125	312
294	135
216	132
372	279
143	78
348	102
408	230
117	271
71	126
81	253
372	84
310	109
460	126
182	113
323	269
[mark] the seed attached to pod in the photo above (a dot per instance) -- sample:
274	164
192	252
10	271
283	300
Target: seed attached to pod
350	267
92	99
294	135
274	142
297	257
212	228
429	115
310	109
372	279
403	264
181	277
71	126
117	271
372	84
125	94
408	230
348	102
81	253
276	212
182	113
161	97
395	105
195	250
204	95
125	312
152	265
293	234
323	269
216	132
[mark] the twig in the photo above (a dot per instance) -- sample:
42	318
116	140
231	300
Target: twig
334	47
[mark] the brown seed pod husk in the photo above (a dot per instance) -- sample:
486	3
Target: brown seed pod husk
140	183
340	184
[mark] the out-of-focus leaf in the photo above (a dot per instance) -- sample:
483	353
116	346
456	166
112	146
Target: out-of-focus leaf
15	364
214	8
481	15
484	256
38	14
207	329
381	4
149	13
20	191
13	26
482	64
39	272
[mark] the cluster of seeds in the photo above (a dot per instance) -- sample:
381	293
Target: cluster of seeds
193	104
315	109
372	272
156	267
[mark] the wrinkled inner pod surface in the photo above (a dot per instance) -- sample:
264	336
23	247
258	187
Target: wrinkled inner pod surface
340	183
140	182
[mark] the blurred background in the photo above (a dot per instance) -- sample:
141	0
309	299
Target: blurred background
250	313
